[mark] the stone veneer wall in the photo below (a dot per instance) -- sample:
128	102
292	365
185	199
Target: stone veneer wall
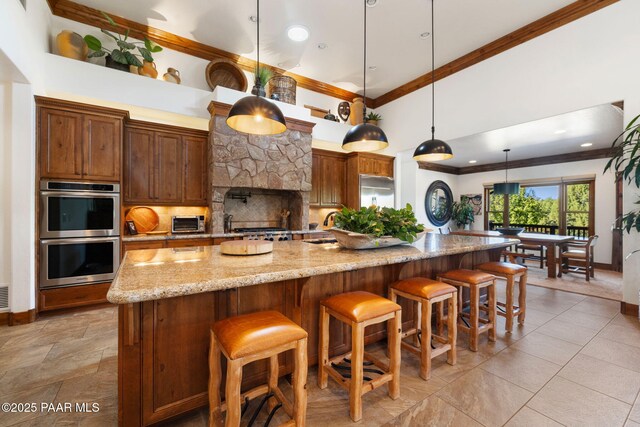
274	162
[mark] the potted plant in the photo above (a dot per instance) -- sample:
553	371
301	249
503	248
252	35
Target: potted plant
625	160
122	56
462	214
261	79
373	118
375	227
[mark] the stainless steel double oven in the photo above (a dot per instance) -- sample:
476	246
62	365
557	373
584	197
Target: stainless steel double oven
79	233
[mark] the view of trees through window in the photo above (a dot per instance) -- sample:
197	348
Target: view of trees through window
540	205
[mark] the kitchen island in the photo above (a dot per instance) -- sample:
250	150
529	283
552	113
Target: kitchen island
168	298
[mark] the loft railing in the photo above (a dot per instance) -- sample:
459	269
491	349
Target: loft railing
572	230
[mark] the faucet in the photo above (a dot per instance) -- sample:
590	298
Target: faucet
329	215
227	223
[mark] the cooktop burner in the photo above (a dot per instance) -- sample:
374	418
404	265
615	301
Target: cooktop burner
259	230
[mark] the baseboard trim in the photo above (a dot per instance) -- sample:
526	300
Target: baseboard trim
629	309
4	318
22	318
603	266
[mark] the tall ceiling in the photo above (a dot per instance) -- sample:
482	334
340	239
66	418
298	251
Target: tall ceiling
395	47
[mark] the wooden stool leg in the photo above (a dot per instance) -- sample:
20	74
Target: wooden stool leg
491	294
357	359
232	395
452	327
300	384
417	323
393	337
323	347
509	305
274	368
522	298
215	377
425	348
473	332
439	318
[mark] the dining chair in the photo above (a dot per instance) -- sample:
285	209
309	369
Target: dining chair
578	251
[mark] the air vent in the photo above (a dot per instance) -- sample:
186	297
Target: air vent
4	298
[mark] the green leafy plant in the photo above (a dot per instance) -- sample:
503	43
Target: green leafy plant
264	75
378	222
123	53
625	159
371	116
462	213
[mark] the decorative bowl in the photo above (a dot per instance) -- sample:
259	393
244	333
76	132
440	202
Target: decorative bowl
313	225
510	231
350	240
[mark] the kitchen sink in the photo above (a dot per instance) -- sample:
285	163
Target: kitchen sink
321	241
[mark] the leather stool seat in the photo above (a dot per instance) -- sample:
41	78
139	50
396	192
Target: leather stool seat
360	306
471	277
423	287
502	268
245	335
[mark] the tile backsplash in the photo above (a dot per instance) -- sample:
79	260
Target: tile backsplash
261	209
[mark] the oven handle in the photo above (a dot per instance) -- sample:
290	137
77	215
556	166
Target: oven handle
75	240
80	194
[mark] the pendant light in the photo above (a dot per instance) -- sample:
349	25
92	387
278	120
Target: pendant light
254	114
506	187
433	149
365	136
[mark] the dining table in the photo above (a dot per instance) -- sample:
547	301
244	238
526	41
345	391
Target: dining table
549	241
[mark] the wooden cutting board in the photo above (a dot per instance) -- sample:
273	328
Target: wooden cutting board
145	219
246	247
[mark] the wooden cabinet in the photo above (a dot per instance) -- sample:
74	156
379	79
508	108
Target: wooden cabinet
78	141
175	243
164	165
328	179
364	164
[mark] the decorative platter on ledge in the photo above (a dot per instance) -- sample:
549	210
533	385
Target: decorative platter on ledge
351	240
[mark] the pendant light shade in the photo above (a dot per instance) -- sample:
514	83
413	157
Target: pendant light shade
365	136
254	114
434	149
506	187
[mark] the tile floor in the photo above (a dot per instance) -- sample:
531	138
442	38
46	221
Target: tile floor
575	362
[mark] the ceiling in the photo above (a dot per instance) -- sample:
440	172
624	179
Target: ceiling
598	125
394	26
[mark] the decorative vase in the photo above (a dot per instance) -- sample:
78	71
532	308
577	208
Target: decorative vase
148	69
133	69
172	76
330	116
258	90
72	45
357	111
373	122
110	63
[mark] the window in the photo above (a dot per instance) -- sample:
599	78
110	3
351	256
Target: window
551	208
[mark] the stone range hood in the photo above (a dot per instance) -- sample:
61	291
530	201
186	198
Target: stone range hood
268	162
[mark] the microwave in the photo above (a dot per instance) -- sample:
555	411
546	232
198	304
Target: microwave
187	224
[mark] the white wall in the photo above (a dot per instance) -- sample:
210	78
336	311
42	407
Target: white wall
5	193
579	65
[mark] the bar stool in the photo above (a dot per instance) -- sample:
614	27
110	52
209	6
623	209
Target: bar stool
510	271
426	292
474	281
245	339
360	309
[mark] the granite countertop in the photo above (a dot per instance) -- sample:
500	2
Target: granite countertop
169	236
153	274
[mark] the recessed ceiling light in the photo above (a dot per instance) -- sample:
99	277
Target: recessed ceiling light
322	46
281	64
586	144
425	35
372	3
372	67
253	19
559	131
298	65
473	161
298	33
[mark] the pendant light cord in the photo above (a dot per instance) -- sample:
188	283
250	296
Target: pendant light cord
433	79
506	166
258	44
364	65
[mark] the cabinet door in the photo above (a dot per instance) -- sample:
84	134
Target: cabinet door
102	139
151	244
138	166
169	168
60	144
327	181
195	171
339	197
365	165
316	181
386	168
